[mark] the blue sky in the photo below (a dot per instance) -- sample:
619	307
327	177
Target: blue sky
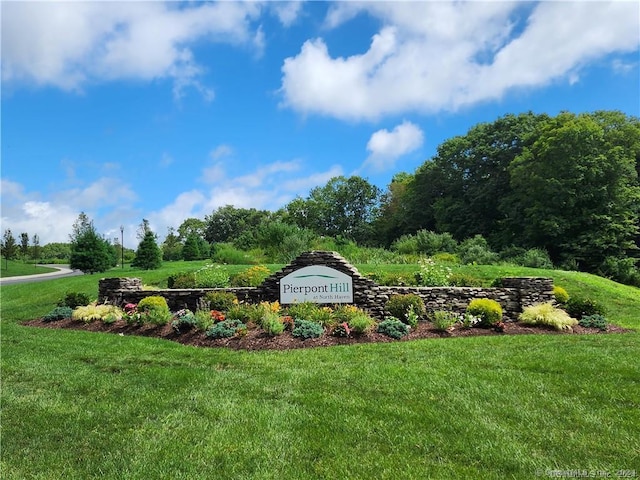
165	111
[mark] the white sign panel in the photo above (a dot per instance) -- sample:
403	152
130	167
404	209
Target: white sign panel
318	284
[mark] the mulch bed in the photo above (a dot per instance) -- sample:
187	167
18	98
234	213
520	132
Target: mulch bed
257	339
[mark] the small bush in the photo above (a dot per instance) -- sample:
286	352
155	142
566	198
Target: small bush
443	319
361	323
247	312
392	327
272	323
183	320
536	258
341	330
547	314
307	329
560	295
227	254
58	313
476	251
303	310
252	277
182	280
226	329
432	274
203	319
464	280
594	321
399	306
583	307
211	276
222	301
489	311
154	309
74	299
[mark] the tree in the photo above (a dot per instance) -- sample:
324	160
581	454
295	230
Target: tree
148	255
393	219
191	249
171	247
227	223
575	190
9	247
57	252
344	206
192	226
36	249
89	251
24	245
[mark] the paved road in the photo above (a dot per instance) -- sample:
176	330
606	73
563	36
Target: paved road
63	271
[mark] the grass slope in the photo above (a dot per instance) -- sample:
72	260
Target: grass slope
13	268
83	405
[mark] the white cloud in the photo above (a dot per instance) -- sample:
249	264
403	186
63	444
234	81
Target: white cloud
434	56
287	12
385	147
68	44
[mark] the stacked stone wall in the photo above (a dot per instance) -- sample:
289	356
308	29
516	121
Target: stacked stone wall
515	293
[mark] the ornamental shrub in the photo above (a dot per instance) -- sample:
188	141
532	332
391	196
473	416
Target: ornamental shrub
489	311
464	280
443	319
583	307
272	323
74	299
547	314
307	329
226	329
560	295
392	327
361	323
92	312
58	313
154	309
432	274
252	277
183	320
222	301
211	276
399	306
302	310
594	321
182	280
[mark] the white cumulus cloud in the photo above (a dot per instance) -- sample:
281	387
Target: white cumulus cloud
385	147
69	44
435	56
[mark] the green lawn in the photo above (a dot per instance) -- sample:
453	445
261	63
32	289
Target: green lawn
80	405
14	268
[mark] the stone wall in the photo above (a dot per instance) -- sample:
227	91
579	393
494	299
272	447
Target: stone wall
515	293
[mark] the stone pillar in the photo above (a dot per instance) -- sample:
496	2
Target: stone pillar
108	288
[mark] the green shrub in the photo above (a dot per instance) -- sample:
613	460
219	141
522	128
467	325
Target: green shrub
182	280
399	306
361	323
464	280
325	316
204	321
432	274
183	320
154	309
247	312
476	251
536	258
225	329
547	314
307	329
560	294
443	319
272	323
211	276
392	327
302	310
489	311
594	321
74	299
252	277
58	313
583	307
222	301
227	254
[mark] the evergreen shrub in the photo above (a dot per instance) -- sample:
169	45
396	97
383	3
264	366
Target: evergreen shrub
392	327
58	313
489	311
399	306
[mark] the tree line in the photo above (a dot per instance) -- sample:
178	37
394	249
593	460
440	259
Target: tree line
565	185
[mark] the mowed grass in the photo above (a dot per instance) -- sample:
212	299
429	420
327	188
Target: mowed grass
83	405
14	268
